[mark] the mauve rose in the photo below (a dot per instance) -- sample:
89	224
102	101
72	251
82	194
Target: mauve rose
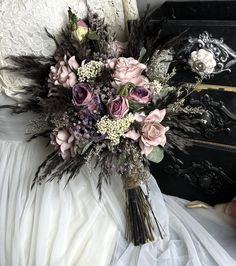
127	70
83	96
139	94
62	73
118	107
66	142
152	133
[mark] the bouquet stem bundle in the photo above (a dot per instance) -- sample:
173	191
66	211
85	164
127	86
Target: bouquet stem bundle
140	217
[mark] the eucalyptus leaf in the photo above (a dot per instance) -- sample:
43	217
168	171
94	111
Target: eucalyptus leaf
124	89
156	155
86	147
121	159
142	54
72	19
135	105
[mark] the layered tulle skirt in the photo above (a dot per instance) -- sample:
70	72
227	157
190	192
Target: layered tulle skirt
54	224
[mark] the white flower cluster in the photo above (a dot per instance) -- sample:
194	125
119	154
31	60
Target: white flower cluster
89	71
156	86
114	128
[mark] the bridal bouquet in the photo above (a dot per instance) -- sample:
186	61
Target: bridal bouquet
111	104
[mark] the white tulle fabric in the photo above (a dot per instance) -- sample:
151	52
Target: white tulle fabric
56	225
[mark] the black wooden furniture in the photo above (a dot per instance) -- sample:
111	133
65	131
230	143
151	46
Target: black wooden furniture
208	172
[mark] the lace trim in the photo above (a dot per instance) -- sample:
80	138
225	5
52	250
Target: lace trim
22	27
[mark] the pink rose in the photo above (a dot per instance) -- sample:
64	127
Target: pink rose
127	70
118	107
66	142
62	74
139	94
152	133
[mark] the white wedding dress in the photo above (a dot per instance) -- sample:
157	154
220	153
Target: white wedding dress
66	226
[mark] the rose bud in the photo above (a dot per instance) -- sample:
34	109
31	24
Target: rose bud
83	96
78	27
139	94
118	107
81	30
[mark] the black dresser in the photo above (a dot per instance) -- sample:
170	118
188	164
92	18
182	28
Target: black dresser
208	172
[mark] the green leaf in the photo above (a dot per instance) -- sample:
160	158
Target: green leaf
135	105
156	155
142	54
85	148
121	159
124	89
72	19
92	35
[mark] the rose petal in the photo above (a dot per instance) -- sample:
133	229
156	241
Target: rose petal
139	117
65	155
71	139
73	63
156	116
65	146
132	134
72	79
145	149
62	135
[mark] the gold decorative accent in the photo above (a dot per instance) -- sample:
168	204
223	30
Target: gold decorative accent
202	86
214	144
198	204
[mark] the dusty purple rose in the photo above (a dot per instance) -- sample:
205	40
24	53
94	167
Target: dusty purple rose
83	96
139	94
62	74
118	107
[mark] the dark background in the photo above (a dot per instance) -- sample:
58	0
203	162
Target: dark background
217	184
